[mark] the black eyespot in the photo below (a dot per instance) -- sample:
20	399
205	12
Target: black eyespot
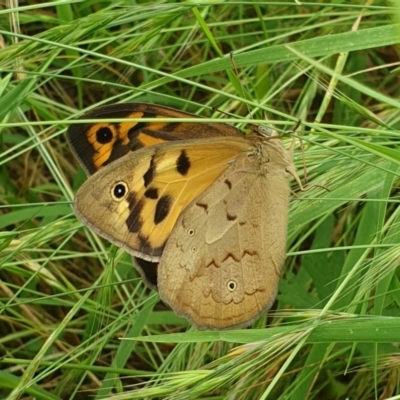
190	232
104	135
119	191
231	285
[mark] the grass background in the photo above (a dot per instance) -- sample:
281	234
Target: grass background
76	321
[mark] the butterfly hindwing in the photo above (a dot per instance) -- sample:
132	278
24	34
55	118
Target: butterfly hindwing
221	264
98	144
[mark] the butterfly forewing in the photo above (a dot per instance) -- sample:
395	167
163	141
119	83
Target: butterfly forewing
159	182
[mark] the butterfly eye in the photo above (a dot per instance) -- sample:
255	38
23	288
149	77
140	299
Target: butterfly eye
231	285
119	191
265	131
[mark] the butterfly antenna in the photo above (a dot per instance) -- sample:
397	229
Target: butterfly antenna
294	132
303	159
293	172
215	109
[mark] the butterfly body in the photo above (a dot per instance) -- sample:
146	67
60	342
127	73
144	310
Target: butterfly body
209	208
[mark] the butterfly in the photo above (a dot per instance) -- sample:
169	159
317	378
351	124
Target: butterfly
201	207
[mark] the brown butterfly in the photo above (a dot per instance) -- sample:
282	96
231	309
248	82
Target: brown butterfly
201	207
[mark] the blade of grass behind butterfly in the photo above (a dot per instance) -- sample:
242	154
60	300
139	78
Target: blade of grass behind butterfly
364	277
166	76
97	333
234	79
340	64
9	381
96	336
370	238
378	273
65	13
325	203
28	377
359	282
384	260
353	83
381	35
315	47
201	70
332	328
88	351
126	347
379	150
229	366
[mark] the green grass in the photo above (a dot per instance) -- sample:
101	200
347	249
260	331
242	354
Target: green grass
76	322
